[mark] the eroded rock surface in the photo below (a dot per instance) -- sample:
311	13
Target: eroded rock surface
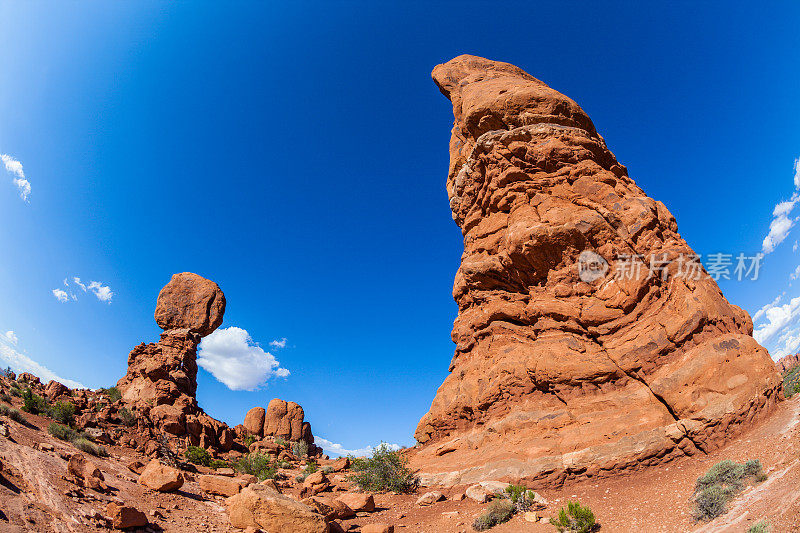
554	375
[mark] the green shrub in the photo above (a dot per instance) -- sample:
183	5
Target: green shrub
327	470
301	477
33	403
114	394
575	518
256	464
128	418
311	467
198	456
249	439
15	391
283	464
499	511
5	398
791	382
63	412
720	484
300	448
280	441
520	496
7	372
386	470
13	414
62	432
712	502
85	445
759	527
218	463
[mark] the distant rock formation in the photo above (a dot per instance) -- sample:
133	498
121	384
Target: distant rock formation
161	381
281	419
568	362
787	362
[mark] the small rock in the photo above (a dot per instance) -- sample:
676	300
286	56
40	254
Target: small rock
225	472
357	501
377	528
161	478
125	517
429	498
531	516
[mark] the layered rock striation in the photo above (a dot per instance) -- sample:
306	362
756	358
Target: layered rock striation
568	362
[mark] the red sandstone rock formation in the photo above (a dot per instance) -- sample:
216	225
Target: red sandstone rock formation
162	377
280	419
557	374
787	362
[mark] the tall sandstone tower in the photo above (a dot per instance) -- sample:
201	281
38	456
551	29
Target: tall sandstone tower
560	372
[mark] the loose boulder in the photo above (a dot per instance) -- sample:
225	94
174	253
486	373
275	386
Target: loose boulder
160	477
260	506
124	516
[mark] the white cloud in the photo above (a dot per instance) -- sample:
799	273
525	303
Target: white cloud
11	338
19	362
338	449
232	357
103	292
779	319
278	343
781	222
61	295
797	173
796	273
794	246
15	167
763	310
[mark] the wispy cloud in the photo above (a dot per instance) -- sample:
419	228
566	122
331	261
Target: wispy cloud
11	338
15	167
338	449
232	357
796	273
780	330
61	295
19	362
102	292
278	343
782	223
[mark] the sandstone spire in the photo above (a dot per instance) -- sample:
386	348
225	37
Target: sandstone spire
560	372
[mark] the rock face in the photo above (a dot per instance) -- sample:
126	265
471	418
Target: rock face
161	381
566	365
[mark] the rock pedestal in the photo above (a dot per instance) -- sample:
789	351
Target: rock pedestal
161	381
570	360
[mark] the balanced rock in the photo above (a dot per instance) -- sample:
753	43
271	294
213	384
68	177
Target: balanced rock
190	302
570	360
161	382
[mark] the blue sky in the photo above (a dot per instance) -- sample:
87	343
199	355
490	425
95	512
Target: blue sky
297	154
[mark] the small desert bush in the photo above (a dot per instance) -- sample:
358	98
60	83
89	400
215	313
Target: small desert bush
300	448
13	414
761	526
33	403
575	518
327	470
520	496
198	456
15	391
311	467
256	464
218	463
283	464
63	412
61	431
300	477
722	483
791	382
7	372
386	470
113	394
280	441
85	445
249	439
5	398
499	511
128	418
